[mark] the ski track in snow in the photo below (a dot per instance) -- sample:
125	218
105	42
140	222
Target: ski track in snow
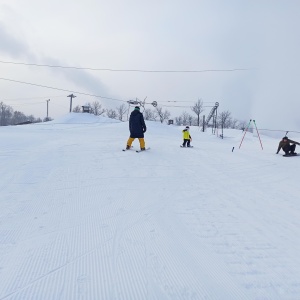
80	219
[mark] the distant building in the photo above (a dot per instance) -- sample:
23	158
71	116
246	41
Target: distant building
86	108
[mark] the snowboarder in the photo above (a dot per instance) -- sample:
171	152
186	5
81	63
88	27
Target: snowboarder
284	144
186	137
137	128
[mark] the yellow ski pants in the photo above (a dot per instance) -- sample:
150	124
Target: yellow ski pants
141	140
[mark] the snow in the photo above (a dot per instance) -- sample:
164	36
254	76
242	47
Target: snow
81	219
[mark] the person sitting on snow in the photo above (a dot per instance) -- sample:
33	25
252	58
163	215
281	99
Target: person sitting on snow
285	145
186	137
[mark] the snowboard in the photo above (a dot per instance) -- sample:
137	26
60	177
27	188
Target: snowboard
289	155
186	146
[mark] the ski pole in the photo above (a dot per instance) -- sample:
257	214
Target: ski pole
258	135
245	133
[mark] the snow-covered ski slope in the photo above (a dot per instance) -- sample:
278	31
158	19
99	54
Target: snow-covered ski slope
81	219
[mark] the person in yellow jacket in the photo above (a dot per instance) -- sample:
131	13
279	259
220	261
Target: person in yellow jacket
186	137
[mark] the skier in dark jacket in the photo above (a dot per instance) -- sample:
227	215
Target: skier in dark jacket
137	128
285	145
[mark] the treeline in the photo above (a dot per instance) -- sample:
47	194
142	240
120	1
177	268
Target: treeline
10	117
122	112
159	114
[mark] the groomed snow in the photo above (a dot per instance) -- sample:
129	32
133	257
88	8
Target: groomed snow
81	219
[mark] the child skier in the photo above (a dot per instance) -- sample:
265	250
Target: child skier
186	137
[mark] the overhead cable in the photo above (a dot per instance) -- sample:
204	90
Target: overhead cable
126	70
54	88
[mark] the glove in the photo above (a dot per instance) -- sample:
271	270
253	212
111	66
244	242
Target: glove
144	129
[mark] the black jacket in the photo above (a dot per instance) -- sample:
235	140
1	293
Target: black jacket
137	125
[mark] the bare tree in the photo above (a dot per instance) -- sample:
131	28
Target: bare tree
242	125
18	117
10	117
96	108
198	109
121	111
178	121
234	123
77	109
224	119
46	119
111	113
149	114
6	113
185	118
31	118
162	115
190	120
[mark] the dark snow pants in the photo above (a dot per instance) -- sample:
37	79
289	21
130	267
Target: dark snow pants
186	142
289	149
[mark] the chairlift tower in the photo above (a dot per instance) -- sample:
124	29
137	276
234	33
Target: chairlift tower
71	98
137	102
213	115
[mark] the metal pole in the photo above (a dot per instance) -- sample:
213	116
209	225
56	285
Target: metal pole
245	133
71	98
258	135
47	108
216	117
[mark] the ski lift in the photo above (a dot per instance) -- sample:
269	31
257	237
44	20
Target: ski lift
133	102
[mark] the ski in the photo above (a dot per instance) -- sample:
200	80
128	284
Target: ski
127	149
186	146
138	151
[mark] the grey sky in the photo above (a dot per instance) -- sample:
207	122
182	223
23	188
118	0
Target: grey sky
157	35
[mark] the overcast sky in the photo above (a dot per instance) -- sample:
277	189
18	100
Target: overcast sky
259	36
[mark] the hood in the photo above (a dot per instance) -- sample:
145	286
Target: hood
135	112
